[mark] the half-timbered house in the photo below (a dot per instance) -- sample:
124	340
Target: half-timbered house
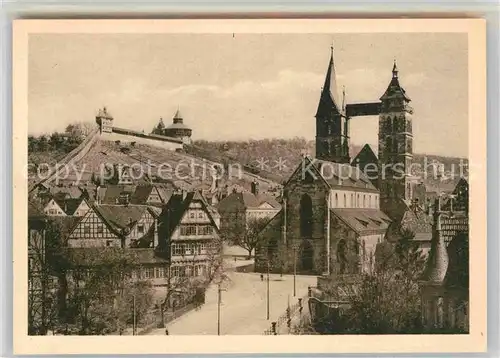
189	234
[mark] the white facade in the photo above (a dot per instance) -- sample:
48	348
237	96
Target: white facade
127	139
354	199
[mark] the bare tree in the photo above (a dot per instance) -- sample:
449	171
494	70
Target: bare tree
245	235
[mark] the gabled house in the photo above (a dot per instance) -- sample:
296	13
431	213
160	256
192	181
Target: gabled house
55	207
239	208
189	235
63	205
115	226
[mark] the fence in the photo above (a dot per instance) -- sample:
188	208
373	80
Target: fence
285	320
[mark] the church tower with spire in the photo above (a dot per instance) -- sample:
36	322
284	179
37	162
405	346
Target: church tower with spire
395	142
332	124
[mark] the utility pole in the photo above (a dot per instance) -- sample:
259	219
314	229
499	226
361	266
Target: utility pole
268	290
294	269
219	301
134	322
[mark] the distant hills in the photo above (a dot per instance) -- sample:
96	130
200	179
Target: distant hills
276	159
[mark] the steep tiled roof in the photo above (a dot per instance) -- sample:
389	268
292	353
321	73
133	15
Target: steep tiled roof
120	217
343	175
112	193
363	220
246	200
173	212
72	205
141	194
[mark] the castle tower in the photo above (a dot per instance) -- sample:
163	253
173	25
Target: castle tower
395	142
105	120
332	124
178	129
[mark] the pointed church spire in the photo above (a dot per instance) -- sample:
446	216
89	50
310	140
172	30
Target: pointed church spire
329	92
394	70
395	87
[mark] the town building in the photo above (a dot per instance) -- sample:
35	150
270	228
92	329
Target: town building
123	226
188	231
61	204
239	208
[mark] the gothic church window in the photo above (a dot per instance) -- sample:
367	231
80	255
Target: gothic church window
345	201
306	216
336	200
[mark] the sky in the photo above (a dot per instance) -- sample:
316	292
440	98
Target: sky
247	86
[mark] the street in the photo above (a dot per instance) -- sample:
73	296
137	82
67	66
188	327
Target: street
243	305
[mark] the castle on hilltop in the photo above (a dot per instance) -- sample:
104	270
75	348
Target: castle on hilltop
172	137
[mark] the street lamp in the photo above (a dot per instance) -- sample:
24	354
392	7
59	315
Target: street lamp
294	269
219	300
268	289
134	316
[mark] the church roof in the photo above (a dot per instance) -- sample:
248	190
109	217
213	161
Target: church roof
329	98
365	155
343	175
394	87
363	221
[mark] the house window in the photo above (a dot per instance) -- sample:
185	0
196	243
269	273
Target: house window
99	228
109	243
203	248
177	249
86	229
205	230
188	249
160	272
200	215
149	272
188	230
140	229
174	271
191	215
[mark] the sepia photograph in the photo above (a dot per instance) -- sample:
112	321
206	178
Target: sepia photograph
247	182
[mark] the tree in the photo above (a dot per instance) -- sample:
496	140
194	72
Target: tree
385	301
245	235
388	301
43	145
102	284
42	296
250	239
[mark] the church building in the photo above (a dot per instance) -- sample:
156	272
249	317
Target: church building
330	221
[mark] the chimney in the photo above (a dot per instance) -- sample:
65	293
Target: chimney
255	188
